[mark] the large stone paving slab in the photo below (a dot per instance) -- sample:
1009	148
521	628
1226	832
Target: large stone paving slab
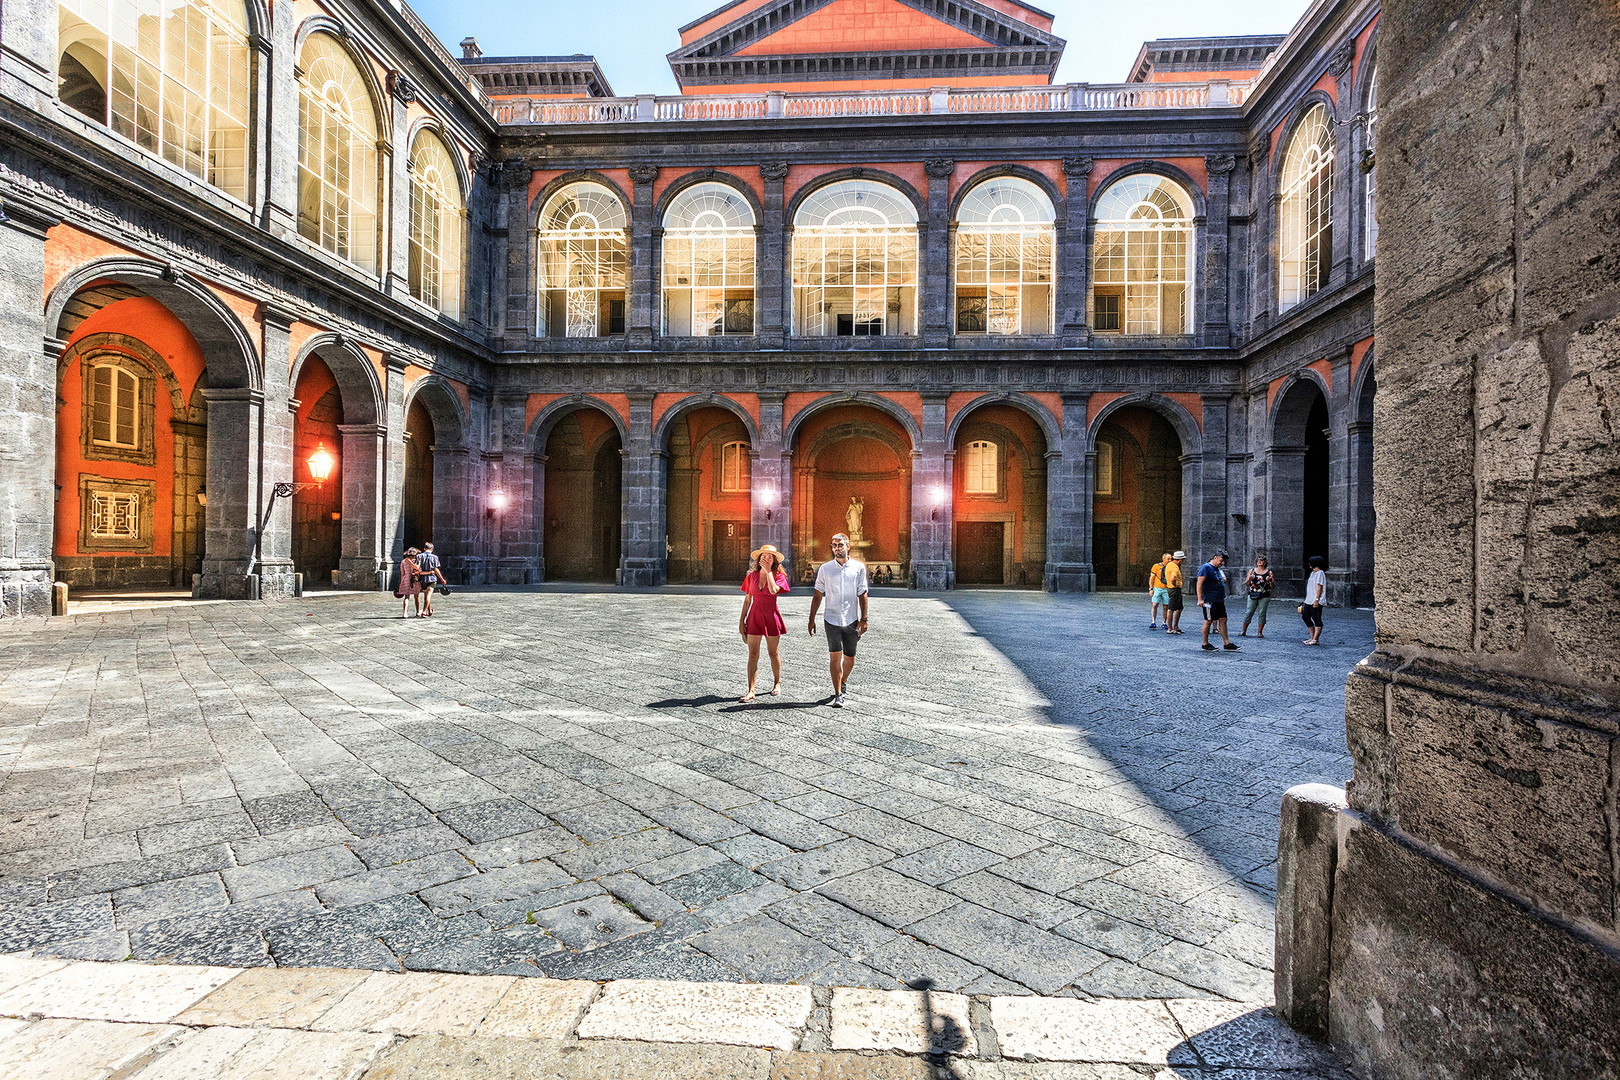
1027	793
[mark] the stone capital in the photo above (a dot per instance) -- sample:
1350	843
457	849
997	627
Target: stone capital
1220	165
1339	62
1080	166
773	170
643	174
402	87
939	168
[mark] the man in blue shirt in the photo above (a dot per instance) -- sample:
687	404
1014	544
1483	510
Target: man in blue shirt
1212	598
428	564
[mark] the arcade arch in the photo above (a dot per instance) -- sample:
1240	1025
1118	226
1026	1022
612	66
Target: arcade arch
1300	478
437	482
1136	495
708	494
581	505
852	465
998	498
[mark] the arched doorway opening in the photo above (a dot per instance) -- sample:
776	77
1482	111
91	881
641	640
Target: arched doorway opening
317	512
1300	468
584	470
1136	496
852	474
417	511
131	444
708	502
998	499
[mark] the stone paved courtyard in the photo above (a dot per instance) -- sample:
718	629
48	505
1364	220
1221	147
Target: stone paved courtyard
1028	793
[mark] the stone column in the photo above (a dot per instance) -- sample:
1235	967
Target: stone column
1264	200
1192	506
452	507
1345	187
28	45
772	280
1341	497
930	521
391	476
937	318
278	151
639	321
234	507
641	500
771	522
1068	502
27	404
1073	256
1284	517
1470	890
269	460
1363	521
1215	257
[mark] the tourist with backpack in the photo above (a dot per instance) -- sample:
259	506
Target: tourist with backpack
1159	593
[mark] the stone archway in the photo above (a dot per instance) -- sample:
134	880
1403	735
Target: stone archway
437	502
708	498
1137	495
998	498
1298	511
852	455
582	507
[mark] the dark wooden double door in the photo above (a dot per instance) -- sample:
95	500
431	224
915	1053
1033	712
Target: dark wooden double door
980	549
730	550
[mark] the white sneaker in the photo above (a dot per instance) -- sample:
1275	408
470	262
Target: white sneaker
838	701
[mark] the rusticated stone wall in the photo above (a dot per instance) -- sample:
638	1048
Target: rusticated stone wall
1474	888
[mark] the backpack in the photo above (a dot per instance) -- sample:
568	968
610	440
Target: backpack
1156	576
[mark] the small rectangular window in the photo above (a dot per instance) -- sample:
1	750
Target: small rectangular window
114	414
734	467
980	472
1107	312
115	516
1105	469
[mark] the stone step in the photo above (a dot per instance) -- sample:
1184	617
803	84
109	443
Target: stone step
85	1020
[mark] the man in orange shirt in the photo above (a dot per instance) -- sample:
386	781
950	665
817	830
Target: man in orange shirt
1159	593
1173	582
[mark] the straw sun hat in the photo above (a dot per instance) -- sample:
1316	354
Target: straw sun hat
765	549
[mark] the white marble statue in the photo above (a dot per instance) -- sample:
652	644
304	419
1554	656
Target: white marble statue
852	517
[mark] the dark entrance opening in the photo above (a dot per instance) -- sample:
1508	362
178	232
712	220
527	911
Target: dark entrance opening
418	494
1315	508
979	550
1105	553
605	504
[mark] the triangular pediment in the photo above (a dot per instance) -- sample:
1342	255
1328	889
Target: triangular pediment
848	26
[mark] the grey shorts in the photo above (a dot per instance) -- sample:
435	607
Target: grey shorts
842	638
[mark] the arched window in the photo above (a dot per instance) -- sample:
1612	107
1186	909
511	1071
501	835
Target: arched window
115	415
734	467
436	210
855	262
170	77
980	469
581	263
1307	210
1141	266
1369	166
337	154
1004	241
708	263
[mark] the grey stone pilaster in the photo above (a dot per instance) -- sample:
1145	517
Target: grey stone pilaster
28	43
935	286
1068	502
1345	187
513	278
234	506
1341	496
395	166
930	521
362	555
516	526
639	324
641	502
1073	255
1213	512
1214	259
279	147
270	460
27	407
770	517
772	273
390	486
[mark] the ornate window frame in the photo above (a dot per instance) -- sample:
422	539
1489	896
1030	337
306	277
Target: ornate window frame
858	236
585	259
144	452
709	233
1003	252
438	211
340	204
1140	238
143	494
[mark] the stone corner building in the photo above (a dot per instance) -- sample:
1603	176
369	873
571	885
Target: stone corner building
1456	911
1036	334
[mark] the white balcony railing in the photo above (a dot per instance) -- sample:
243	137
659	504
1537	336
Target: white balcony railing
1072	97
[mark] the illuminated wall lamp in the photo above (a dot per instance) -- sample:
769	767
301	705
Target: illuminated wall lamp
767	498
937	495
497	503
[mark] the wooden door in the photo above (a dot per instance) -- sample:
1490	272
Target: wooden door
730	550
979	552
1105	553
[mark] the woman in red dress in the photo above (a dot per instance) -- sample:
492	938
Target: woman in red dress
759	618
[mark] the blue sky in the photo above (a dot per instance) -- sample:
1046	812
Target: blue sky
630	37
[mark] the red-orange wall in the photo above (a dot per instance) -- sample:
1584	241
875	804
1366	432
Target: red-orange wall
733	506
151	323
888	502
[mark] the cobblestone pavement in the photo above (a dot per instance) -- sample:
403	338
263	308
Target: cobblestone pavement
1028	793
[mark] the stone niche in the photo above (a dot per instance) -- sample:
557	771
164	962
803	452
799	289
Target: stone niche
1456	912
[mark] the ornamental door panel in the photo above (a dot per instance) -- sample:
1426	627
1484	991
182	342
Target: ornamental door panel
730	550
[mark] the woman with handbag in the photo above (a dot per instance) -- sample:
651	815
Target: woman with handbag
410	582
1259	581
760	620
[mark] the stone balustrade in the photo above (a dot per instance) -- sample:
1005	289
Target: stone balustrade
1070	97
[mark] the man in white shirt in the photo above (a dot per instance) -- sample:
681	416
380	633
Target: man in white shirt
842	583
